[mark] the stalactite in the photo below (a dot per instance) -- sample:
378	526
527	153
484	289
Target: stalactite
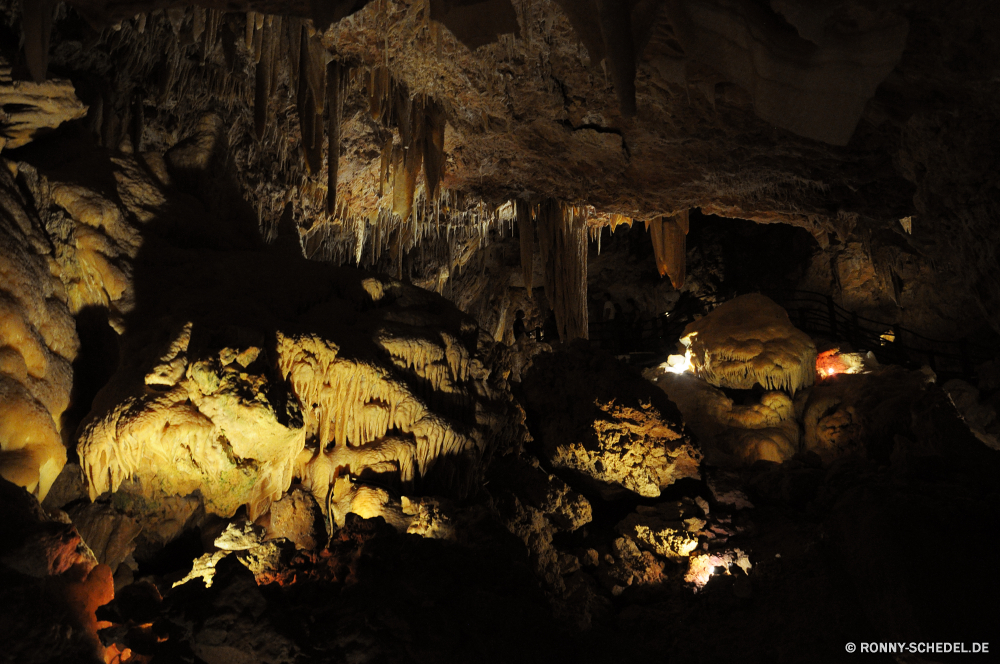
669	236
250	29
527	232
384	169
137	121
562	240
258	36
616	28
176	16
198	23
213	19
379	89
293	50
434	123
36	22
334	105
266	75
311	97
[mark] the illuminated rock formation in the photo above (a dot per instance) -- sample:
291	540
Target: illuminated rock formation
856	415
32	109
750	341
38	342
378	381
730	433
52	585
607	425
663	529
669	235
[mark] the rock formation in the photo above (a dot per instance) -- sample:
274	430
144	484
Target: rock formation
38	343
606	424
261	262
749	341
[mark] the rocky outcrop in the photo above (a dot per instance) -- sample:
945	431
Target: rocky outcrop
730	433
38	343
750	341
235	402
32	109
605	424
51	584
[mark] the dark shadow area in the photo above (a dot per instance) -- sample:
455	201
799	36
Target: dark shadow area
96	361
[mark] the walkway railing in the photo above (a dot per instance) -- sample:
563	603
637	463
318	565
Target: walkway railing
818	315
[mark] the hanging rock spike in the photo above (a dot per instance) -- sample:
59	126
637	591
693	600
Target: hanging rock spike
293	35
265	76
198	23
311	97
433	145
562	238
522	211
334	101
36	23
213	19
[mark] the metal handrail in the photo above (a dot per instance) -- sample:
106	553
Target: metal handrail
825	317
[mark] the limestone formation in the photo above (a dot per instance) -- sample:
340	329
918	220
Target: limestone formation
606	424
38	343
749	341
730	433
661	530
52	585
31	109
404	402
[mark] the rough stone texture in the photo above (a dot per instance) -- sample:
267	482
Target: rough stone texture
297	518
109	534
50	584
749	341
601	421
241	395
662	529
859	414
537	116
38	343
728	433
33	109
535	506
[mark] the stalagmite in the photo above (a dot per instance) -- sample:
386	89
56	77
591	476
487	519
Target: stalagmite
748	341
669	236
527	232
334	109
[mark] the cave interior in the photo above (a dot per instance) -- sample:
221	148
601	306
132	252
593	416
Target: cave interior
499	330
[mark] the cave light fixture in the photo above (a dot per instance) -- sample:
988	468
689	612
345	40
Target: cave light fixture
679	364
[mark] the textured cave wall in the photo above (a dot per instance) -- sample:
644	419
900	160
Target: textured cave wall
537	112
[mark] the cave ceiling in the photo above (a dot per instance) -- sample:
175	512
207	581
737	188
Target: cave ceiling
849	119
